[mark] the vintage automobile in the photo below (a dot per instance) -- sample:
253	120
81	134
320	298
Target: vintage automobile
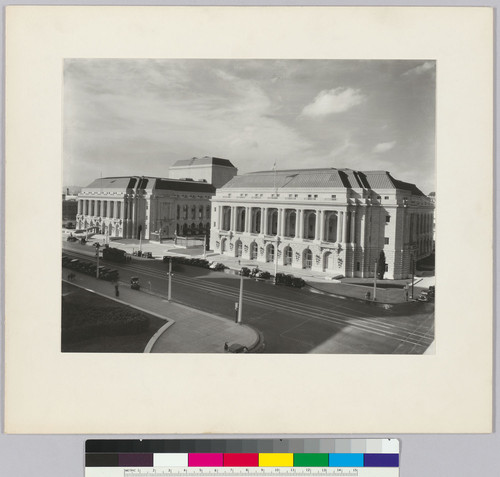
134	283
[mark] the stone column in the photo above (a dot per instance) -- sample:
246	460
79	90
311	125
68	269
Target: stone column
248	219
322	225
353	227
282	223
344	227
362	223
298	223
263	220
317	228
232	224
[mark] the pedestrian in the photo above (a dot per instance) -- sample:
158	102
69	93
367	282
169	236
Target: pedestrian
367	295
117	291
226	346
406	294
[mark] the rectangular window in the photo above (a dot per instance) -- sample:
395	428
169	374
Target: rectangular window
386	240
334	197
387	219
357	266
386	197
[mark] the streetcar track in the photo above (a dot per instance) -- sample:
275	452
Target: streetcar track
310	311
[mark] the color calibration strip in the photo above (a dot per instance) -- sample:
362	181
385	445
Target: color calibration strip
241	460
298	457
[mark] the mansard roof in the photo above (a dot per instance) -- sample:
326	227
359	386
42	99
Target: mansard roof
143	182
320	179
202	161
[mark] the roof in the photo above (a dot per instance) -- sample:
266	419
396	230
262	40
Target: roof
202	161
320	179
142	182
186	185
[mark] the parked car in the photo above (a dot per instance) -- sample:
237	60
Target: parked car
235	348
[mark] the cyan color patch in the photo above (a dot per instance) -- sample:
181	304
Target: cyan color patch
346	460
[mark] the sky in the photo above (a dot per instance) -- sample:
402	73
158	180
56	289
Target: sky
139	116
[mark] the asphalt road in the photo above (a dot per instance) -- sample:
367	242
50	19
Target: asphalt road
290	320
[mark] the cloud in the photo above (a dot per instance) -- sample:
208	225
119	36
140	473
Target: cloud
420	69
383	147
333	101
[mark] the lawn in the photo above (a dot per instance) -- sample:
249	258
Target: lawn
94	324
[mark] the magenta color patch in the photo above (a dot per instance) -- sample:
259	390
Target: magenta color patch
206	460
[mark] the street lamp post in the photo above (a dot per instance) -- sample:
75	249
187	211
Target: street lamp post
97	246
276	260
240	301
412	273
169	296
375	281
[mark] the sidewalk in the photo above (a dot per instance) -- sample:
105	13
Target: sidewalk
187	330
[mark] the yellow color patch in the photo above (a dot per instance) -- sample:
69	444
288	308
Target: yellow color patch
275	460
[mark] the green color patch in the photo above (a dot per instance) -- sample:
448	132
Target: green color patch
310	460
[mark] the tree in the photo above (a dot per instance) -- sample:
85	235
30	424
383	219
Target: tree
381	265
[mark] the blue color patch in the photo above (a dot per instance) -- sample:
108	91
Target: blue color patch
346	460
381	460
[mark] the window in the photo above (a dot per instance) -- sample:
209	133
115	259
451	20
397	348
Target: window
386	197
357	266
334	197
386	240
387	219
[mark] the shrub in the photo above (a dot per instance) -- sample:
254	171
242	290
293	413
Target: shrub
289	280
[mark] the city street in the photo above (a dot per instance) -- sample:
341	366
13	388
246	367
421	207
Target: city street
289	320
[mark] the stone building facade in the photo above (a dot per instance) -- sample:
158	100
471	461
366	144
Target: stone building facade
335	221
145	207
214	170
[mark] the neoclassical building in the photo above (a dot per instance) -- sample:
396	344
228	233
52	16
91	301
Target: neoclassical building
145	207
335	221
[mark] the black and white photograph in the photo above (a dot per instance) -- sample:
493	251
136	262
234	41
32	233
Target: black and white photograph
248	206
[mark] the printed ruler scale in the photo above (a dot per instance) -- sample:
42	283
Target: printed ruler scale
243	458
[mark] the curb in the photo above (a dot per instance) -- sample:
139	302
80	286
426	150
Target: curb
157	335
360	300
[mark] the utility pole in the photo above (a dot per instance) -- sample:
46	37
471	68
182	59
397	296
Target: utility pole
276	260
375	281
412	273
169	296
240	302
97	246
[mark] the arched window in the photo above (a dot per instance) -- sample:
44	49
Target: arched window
239	248
288	255
308	258
254	251
270	253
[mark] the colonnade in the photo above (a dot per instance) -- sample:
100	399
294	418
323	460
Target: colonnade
101	208
301	223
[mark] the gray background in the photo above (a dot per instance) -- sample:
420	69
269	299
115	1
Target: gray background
421	455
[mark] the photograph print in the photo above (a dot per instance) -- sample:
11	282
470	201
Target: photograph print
248	206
